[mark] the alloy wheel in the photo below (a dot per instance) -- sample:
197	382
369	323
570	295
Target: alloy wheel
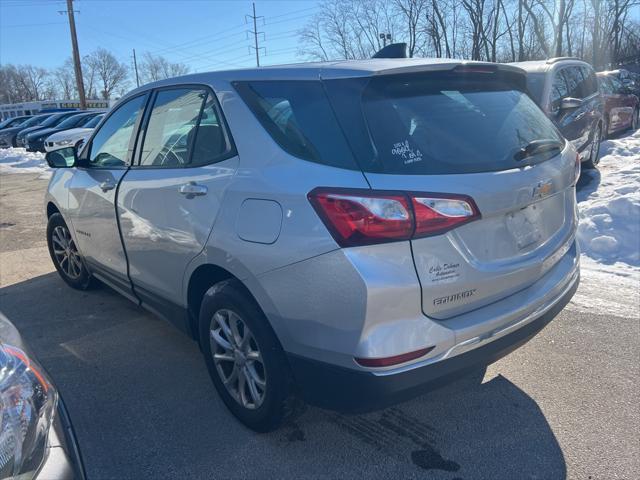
66	252
237	359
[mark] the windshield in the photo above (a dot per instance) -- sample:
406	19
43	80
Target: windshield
33	121
55	120
448	123
74	121
94	121
12	122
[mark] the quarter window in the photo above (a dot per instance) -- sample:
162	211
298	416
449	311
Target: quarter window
110	145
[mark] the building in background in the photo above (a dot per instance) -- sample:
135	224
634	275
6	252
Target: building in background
31	108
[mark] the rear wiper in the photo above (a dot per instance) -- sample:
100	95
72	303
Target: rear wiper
537	146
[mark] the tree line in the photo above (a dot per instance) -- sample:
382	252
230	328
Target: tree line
104	77
605	33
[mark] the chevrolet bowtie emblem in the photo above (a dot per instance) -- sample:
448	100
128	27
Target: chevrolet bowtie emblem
543	189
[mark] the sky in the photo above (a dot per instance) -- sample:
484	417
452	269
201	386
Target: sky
203	34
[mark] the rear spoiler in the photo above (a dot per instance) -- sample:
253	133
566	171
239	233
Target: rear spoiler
509	73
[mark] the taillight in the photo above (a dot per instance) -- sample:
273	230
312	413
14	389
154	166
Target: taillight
578	168
365	217
436	215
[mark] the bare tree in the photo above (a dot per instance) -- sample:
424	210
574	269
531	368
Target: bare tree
106	69
65	79
156	68
412	11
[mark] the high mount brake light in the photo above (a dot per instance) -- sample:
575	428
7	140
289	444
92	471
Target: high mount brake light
364	217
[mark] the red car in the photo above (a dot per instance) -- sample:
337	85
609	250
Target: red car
621	109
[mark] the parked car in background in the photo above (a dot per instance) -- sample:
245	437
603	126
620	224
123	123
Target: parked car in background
14	121
630	80
34	141
73	136
53	121
566	90
621	108
360	229
36	435
8	135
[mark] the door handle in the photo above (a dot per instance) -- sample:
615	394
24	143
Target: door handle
107	185
192	189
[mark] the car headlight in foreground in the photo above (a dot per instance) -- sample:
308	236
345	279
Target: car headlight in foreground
27	402
35	434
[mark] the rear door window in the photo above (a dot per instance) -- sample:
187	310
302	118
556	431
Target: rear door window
559	90
184	129
170	128
574	79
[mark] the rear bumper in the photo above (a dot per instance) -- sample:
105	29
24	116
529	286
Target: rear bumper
346	389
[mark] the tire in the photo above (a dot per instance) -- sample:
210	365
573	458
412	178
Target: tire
594	150
61	244
255	358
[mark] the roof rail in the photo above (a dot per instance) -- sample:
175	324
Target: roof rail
558	59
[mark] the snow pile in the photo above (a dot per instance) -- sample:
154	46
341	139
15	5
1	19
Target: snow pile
609	205
18	160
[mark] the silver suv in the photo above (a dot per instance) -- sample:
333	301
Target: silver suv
352	232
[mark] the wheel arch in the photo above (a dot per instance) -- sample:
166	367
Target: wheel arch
202	279
52	208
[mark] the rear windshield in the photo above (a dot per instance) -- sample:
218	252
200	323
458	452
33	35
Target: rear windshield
446	124
412	124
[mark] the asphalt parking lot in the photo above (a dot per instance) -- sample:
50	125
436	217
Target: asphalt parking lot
563	406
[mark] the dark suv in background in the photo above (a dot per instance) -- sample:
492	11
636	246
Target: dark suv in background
621	106
566	89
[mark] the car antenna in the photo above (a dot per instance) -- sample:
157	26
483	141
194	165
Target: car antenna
393	50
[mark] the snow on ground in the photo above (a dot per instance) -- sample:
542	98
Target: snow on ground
609	230
18	160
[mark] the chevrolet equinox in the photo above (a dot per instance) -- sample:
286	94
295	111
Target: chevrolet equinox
352	232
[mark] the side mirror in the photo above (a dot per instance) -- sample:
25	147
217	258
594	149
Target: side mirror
63	158
570	103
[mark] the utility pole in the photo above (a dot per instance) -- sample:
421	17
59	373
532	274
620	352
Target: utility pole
76	55
255	33
135	66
